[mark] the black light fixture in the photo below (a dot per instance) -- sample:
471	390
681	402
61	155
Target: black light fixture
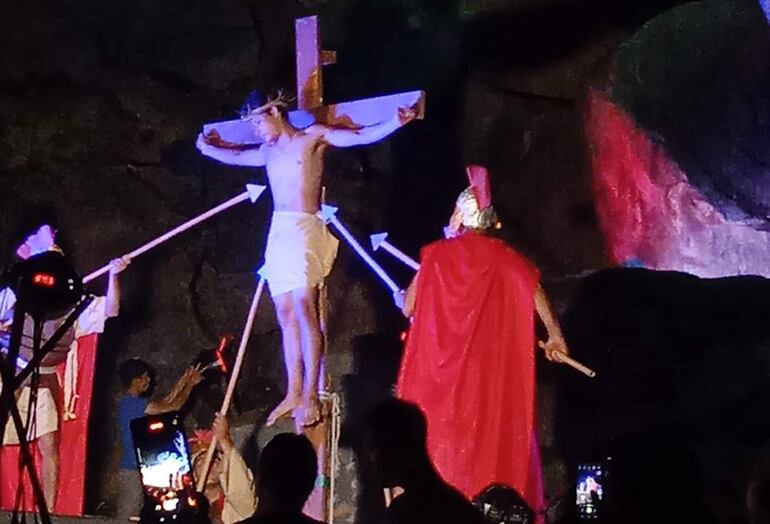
46	284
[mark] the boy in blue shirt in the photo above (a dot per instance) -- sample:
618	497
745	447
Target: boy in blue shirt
136	379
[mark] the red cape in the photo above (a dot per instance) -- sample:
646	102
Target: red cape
73	448
469	363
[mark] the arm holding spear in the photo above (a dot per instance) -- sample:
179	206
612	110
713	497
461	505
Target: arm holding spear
555	347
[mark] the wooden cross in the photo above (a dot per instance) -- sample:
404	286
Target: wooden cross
310	109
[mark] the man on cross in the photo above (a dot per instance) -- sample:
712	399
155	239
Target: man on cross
300	250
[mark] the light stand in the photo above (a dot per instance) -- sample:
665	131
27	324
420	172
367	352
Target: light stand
45	286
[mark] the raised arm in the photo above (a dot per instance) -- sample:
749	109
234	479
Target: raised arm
341	137
555	346
112	304
207	144
237	480
178	395
405	300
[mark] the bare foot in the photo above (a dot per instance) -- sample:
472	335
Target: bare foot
310	414
285	408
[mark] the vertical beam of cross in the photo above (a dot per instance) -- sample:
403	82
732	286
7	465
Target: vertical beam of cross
309	75
310	61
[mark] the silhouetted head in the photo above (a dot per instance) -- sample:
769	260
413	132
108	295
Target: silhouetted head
287	471
135	376
395	434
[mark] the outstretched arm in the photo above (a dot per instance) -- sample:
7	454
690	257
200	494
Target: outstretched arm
178	395
112	304
211	146
555	346
340	137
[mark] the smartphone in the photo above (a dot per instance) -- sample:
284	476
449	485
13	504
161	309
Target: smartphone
590	490
164	459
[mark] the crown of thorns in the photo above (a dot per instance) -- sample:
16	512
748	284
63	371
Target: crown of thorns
281	99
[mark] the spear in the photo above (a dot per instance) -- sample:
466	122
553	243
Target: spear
252	192
329	215
379	240
233	378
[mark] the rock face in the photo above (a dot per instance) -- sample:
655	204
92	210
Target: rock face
688	188
101	103
679	360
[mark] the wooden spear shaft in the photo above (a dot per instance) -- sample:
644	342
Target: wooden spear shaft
561	358
233	379
252	192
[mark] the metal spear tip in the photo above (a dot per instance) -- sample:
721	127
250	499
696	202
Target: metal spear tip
262	272
255	191
377	239
328	212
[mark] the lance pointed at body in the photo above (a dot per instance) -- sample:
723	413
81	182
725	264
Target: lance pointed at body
300	250
380	240
252	193
329	214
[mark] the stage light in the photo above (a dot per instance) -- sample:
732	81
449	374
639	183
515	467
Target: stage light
47	284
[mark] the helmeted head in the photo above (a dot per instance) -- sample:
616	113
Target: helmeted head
266	114
473	208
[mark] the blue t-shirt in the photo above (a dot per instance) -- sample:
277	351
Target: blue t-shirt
129	408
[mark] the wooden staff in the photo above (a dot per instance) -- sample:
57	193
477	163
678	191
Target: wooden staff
561	358
564	359
253	191
233	379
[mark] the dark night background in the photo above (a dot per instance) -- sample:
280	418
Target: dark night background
100	104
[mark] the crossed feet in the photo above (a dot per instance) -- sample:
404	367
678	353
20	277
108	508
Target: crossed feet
306	410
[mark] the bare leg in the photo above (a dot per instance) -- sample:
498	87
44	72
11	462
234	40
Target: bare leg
292	356
323	317
306	309
49	455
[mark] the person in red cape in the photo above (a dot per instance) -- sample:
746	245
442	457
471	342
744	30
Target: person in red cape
469	361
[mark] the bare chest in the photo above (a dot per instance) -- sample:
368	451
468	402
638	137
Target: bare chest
302	155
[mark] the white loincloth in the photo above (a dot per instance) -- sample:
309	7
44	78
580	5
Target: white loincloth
300	252
45	420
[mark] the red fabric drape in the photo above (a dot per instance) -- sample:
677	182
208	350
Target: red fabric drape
73	446
469	363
